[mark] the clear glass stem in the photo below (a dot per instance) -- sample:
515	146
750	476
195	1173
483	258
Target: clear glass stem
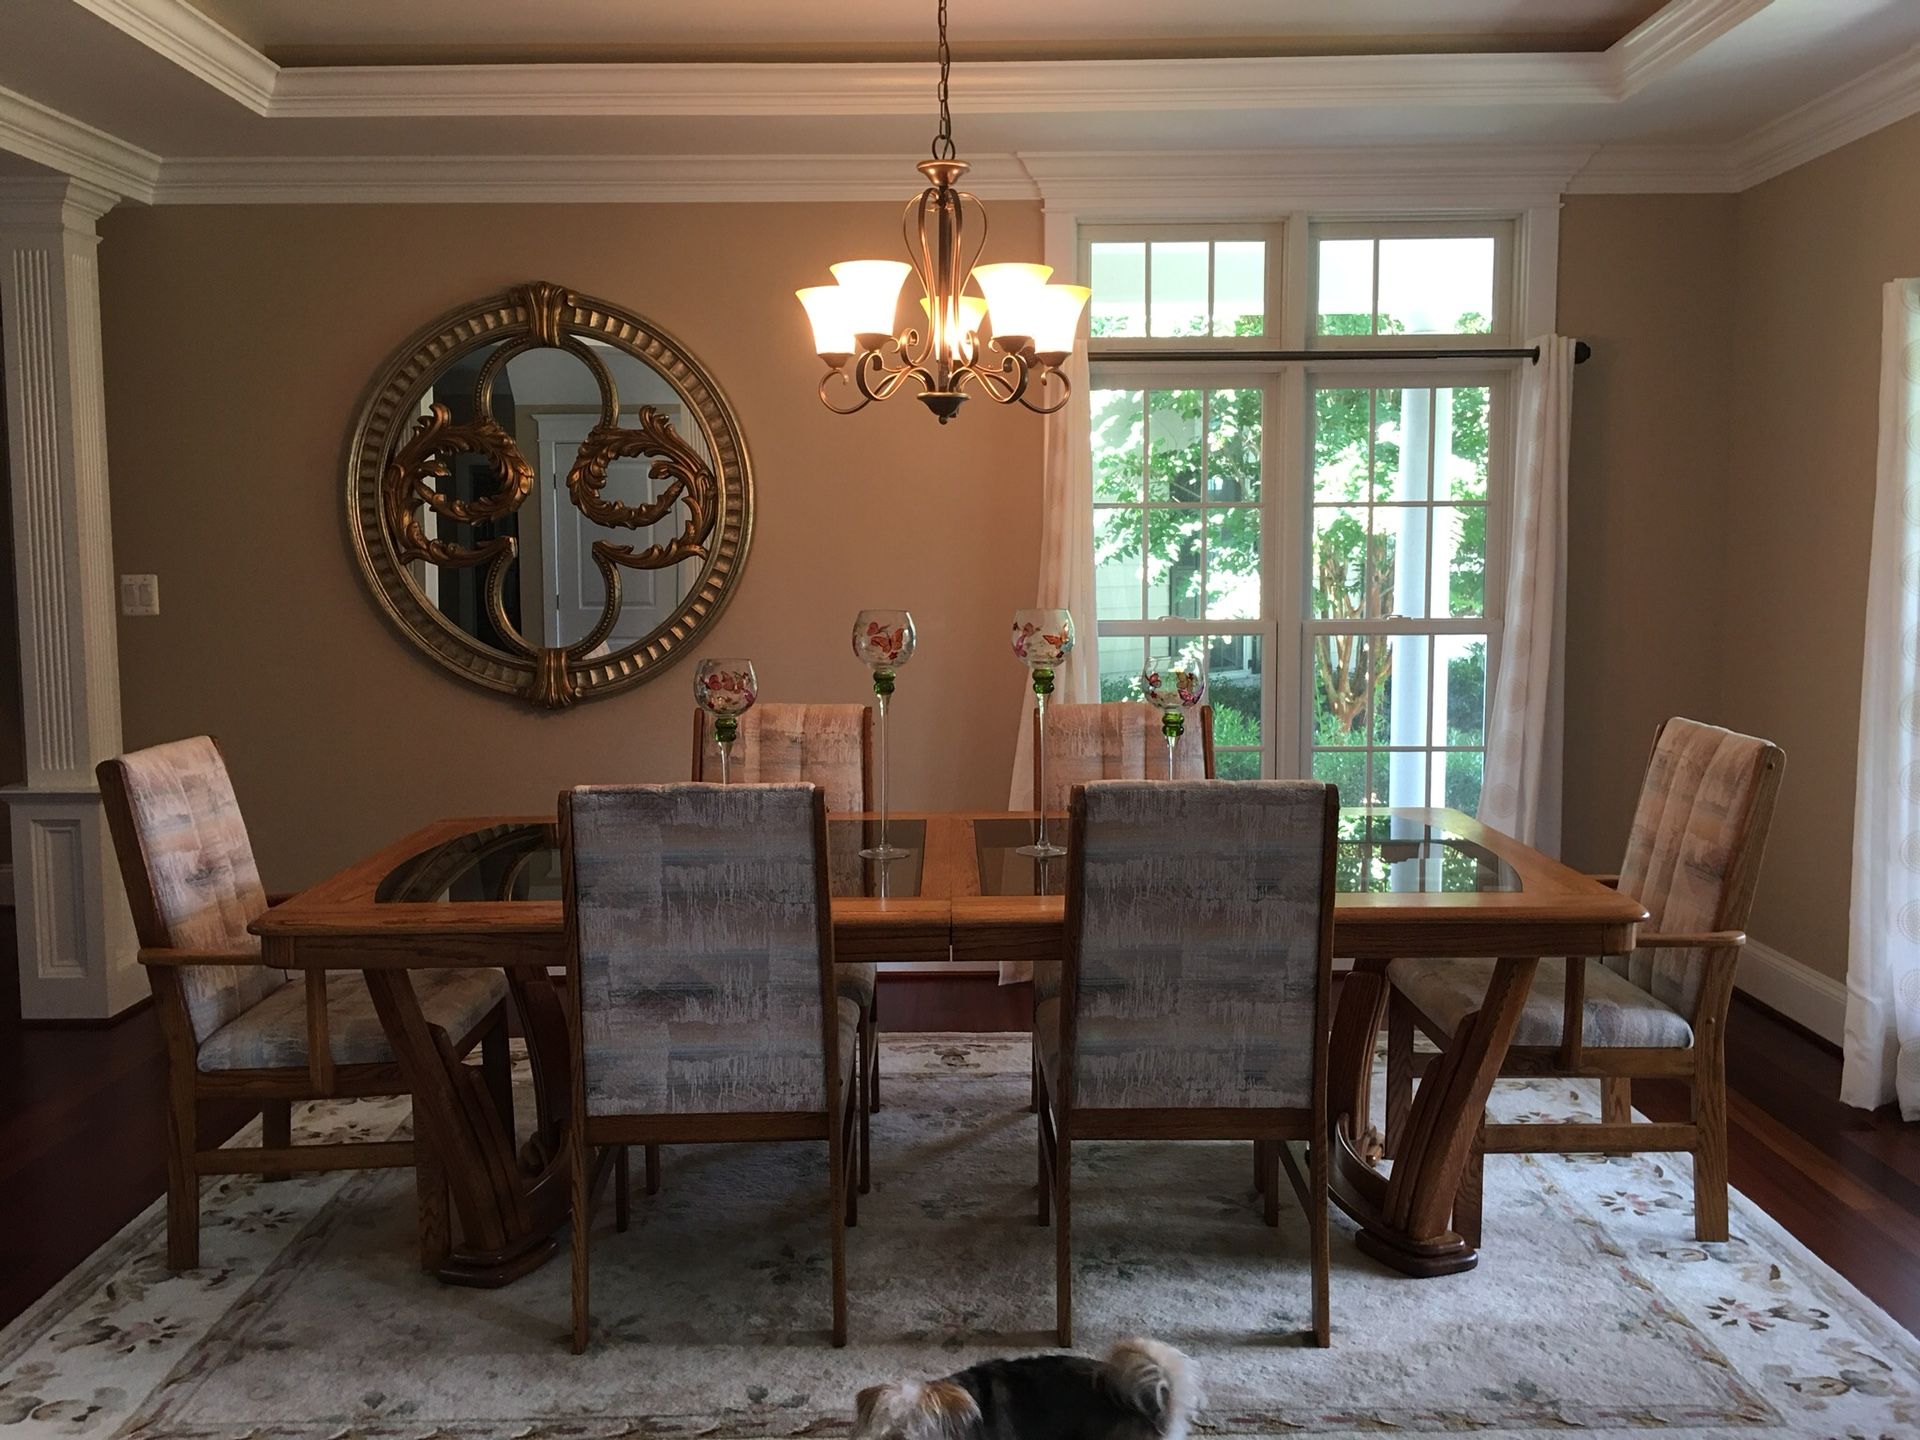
1172	740
880	702
1040	799
726	748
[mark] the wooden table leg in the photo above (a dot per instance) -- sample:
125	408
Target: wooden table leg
1405	1218
509	1210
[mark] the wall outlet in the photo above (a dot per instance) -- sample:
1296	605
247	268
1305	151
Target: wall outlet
139	594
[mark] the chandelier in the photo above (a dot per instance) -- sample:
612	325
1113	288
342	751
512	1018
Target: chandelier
1011	340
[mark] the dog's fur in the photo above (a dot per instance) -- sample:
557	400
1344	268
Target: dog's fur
1142	1391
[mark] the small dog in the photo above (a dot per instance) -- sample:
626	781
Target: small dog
1142	1391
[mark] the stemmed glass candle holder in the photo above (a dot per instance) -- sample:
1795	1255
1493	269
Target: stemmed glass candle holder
1042	639
1176	689
726	690
883	641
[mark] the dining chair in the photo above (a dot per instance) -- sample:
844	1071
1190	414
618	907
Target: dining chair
1108	740
1196	989
238	1030
700	971
1692	860
830	746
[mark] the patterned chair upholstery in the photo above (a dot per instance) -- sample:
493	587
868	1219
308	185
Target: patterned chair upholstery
203	890
701	970
1114	740
239	1032
1119	740
1693	859
1199	925
698	922
1690	829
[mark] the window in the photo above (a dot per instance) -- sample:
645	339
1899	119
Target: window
1397	637
1386	281
1178	515
1312	526
1169	283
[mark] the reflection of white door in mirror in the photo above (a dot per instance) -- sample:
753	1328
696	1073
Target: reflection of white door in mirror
557	547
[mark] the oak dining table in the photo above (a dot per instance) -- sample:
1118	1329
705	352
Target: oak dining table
485	891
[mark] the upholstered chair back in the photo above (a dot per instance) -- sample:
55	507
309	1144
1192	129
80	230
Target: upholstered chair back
1118	740
189	871
1694	852
1199	918
822	745
697	917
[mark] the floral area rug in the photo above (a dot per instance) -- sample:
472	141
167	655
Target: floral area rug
1592	1308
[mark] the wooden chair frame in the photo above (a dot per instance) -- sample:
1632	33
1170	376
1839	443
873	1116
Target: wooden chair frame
652	1131
1702	1066
868	1095
273	1091
1272	1131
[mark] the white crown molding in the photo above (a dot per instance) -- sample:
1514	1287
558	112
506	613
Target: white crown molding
1672	34
1885	94
541	179
994	87
46	137
204	49
1249	183
1655	170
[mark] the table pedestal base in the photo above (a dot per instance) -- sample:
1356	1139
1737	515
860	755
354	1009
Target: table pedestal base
1405	1216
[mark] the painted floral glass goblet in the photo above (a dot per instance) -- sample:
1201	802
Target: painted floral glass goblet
726	690
1042	640
883	640
1176	687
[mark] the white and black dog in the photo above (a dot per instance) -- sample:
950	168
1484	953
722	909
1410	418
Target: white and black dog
1143	1390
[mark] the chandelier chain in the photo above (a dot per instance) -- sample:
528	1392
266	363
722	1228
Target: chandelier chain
943	140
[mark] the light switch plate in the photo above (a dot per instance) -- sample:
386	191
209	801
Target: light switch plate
139	594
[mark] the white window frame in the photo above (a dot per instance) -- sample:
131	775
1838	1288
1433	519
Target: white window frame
1526	245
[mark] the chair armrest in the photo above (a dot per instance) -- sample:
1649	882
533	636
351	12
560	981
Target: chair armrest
1710	940
1612	882
165	955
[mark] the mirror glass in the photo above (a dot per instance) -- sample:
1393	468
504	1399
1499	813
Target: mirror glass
549	401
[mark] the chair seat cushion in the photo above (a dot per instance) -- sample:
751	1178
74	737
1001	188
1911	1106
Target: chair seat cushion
850	1057
273	1034
855	983
1617	1014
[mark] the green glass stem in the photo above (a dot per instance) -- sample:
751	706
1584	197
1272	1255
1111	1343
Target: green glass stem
1040	704
726	729
1172	722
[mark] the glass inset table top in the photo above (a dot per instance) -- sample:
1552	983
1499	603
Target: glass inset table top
1379	853
522	862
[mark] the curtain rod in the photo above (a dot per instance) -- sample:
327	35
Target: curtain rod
1582	352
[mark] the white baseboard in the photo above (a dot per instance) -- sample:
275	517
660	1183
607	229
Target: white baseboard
1799	992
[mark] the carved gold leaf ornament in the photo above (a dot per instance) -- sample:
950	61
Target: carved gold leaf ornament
402	468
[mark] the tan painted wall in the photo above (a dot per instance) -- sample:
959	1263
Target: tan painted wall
1815	247
238	342
1646	280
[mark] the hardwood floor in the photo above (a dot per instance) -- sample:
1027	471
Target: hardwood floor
81	1135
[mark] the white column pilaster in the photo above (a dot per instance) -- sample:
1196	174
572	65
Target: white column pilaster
75	933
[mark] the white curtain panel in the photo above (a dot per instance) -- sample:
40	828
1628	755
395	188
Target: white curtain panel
1066	564
1066	579
1883	963
1521	793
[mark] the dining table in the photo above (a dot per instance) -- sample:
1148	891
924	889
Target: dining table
486	891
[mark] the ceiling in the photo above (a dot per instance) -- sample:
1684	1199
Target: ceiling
348	32
314	99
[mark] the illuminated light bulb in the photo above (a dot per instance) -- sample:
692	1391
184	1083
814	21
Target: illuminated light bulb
973	313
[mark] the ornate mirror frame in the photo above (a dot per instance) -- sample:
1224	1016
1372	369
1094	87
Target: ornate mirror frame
398	456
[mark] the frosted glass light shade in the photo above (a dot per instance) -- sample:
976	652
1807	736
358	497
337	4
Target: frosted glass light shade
1056	326
826	307
1012	293
872	293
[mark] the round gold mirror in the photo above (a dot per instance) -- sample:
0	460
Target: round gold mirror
549	495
